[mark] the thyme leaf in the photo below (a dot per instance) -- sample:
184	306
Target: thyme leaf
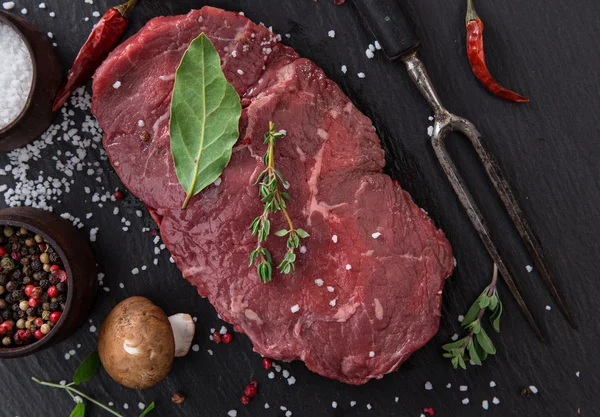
269	184
477	345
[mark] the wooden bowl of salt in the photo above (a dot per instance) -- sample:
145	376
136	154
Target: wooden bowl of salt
30	75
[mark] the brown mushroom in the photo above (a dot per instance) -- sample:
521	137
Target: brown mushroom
136	343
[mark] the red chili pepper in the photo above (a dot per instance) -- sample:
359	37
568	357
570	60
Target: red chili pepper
476	56
101	42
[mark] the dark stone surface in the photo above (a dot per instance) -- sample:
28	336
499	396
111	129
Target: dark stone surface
547	50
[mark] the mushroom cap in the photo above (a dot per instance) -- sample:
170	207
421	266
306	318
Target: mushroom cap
136	344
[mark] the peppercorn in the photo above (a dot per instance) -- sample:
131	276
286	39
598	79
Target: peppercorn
26	280
45	284
39	321
32	250
18	294
7	264
37	292
29	242
61	299
30	311
54	317
250	391
227	338
21	324
45	328
23	305
6	341
6	314
216	337
36	265
24	251
118	195
20	314
44	258
23	231
3	279
16	275
54	306
61	287
9	299
3	304
46	307
2	290
16	256
267	363
177	398
54	258
245	400
33	302
46	267
8	231
2	251
38	238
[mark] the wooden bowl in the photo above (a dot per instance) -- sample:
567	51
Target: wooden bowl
37	114
80	266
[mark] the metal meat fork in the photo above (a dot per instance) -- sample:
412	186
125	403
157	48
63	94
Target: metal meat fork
394	31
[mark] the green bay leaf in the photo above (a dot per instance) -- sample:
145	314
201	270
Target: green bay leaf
78	411
87	369
205	113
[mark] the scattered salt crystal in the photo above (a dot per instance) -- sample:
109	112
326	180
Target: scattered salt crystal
548	308
529	268
533	389
352	403
463	388
283	408
232	413
96	13
448	385
465	401
295	308
430	118
121	285
291	380
288	413
267	405
141	406
369	54
319	282
334	404
377	45
303	249
492	384
361	75
144	267
271	375
116	211
106	289
23	11
42	5
348	267
577	374
218	181
125	406
50	35
485	404
496	401
330	289
331	33
195	348
454	337
223	330
375	235
239	71
210	352
461	318
430	131
371	354
371	48
135	271
428	386
396	399
67	356
369	406
344	69
334	238
332	303
141	123
285	373
92	329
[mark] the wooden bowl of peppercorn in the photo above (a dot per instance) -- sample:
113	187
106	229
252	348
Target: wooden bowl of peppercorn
48	280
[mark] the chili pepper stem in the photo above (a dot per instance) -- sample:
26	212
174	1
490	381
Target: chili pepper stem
125	8
471	13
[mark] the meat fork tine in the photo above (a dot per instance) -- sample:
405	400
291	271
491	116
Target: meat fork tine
444	123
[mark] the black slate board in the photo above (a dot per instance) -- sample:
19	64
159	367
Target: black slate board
547	50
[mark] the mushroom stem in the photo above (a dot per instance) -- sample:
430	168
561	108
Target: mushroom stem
184	328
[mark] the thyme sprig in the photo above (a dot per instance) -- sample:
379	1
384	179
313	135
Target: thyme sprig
477	345
274	199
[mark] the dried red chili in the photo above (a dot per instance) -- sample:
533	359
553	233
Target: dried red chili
100	43
476	56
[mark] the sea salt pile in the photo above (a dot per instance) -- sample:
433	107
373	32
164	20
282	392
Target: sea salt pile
16	74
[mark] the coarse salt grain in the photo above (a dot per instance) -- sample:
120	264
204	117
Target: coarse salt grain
16	75
428	386
135	271
331	33
448	385
116	85
42	5
495	400
454	337
461	318
348	267
332	303
430	131
352	403
334	404
141	406
96	13
369	406
369	54
330	289
377	45
533	389
529	268
319	282
125	406
344	69
463	388
334	238
548	308
295	308
271	375
8	5
485	404
371	354
465	401
375	235
267	405
232	413
196	348
239	71
361	75
492	384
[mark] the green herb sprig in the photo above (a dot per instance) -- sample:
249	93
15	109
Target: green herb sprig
85	372
274	200
477	345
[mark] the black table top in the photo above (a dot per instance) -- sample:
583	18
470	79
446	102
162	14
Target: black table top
547	50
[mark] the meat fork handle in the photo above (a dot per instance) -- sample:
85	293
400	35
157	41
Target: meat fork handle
390	25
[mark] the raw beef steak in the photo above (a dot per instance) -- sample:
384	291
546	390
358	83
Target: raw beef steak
368	284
